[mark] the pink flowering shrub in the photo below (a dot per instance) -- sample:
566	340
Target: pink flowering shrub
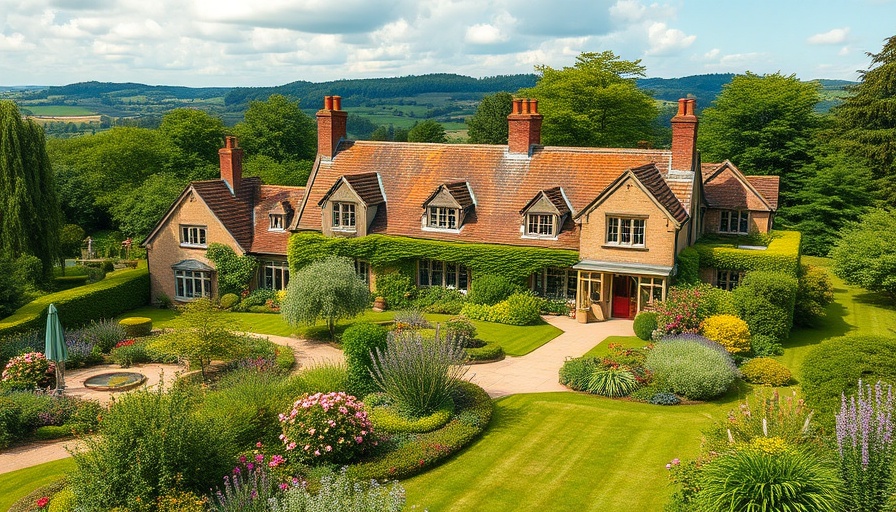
27	370
680	312
326	427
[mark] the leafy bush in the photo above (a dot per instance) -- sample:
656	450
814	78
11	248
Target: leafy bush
341	493
752	480
130	352
460	331
814	293
418	374
9	421
233	271
646	393
331	427
576	373
766	371
396	288
612	382
664	398
258	297
765	300
694	368
385	418
48	432
522	309
358	341
436	299
728	331
644	325
555	307
26	371
476	311
104	334
136	326
763	345
95	274
487	352
491	289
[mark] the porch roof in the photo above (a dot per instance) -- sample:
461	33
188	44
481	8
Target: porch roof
623	268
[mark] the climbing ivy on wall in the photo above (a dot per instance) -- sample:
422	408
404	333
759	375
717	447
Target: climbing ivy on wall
782	255
401	253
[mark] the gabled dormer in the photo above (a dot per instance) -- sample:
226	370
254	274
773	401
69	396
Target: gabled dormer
351	204
280	216
544	214
448	207
738	204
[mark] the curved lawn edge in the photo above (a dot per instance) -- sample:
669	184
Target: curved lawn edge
16	485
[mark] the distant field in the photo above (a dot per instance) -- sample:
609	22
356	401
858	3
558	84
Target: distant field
59	110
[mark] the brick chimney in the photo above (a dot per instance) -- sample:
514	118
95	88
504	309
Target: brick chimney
330	126
231	156
524	126
684	135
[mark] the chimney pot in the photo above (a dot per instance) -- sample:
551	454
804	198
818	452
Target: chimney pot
524	125
684	135
331	122
328	103
534	106
337	102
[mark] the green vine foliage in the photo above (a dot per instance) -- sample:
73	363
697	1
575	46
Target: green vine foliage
234	272
383	252
782	254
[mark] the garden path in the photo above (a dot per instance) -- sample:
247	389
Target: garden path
537	371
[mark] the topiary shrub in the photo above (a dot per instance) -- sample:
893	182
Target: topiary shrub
692	367
358	342
576	373
397	288
487	352
136	326
766	371
491	289
612	382
815	291
765	300
728	331
387	419
229	300
460	330
644	325
763	345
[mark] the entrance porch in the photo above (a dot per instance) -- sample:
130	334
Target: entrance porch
617	290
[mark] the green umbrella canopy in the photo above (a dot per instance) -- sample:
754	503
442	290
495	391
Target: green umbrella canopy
55	339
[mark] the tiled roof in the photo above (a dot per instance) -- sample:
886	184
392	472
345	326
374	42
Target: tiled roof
502	184
726	187
650	177
768	187
235	213
460	191
365	185
270	199
554	195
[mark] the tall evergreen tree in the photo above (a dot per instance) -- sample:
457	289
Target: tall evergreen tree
30	218
489	124
867	119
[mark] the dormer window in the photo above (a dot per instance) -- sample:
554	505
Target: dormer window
344	217
277	222
448	207
544	214
540	224
442	218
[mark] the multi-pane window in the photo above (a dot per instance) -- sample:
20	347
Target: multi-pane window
274	275
651	290
735	221
538	224
625	231
440	273
442	218
728	279
344	216
192	284
555	283
276	221
193	235
362	269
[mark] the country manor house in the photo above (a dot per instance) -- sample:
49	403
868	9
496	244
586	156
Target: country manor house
624	214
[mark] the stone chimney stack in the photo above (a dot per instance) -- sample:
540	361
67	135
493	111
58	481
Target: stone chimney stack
330	126
231	156
684	136
524	126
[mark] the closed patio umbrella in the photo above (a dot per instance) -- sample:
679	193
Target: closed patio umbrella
55	348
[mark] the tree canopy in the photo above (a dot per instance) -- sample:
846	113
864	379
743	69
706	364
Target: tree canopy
279	129
864	254
196	133
427	131
594	103
489	124
30	218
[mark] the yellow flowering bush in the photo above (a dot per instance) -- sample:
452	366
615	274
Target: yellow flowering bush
765	370
728	331
770	445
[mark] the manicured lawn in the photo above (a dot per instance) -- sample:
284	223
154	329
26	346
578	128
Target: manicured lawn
603	348
262	323
516	340
568	452
17	484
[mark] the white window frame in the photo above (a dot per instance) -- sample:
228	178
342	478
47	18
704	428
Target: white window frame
541	225
442	217
740	219
198	282
345	217
652	289
362	269
274	275
193	236
444	274
626	231
277	222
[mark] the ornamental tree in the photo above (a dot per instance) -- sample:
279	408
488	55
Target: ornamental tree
864	254
327	290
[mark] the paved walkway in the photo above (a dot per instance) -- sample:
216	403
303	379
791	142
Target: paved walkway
537	371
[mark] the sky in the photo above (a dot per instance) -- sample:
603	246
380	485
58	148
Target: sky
231	43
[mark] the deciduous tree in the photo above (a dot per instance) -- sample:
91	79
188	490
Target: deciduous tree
279	129
194	132
489	124
864	254
327	290
136	210
427	131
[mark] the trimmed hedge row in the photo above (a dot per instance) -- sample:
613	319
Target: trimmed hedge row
474	411
121	291
782	255
512	263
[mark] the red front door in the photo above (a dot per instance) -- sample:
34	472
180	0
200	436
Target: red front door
623	294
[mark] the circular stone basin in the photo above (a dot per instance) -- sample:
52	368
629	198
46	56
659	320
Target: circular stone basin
115	381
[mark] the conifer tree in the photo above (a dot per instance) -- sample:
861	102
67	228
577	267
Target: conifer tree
30	219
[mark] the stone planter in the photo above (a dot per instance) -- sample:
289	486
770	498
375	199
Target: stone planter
379	304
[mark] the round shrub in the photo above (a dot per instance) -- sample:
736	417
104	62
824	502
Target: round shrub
766	371
487	352
612	382
129	352
520	309
755	480
765	300
763	345
358	342
136	326
228	300
460	330
491	289
728	331
26	371
388	419
695	368
664	398
331	427
644	325
576	373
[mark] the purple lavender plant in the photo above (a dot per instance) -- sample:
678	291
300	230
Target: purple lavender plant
865	444
248	490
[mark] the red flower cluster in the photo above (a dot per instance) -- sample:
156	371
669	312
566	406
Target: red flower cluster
125	343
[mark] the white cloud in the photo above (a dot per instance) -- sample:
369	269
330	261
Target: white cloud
833	36
484	33
664	40
14	42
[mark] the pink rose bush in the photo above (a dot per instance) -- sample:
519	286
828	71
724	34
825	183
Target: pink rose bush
27	370
327	427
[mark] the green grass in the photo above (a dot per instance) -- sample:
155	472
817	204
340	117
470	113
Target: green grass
59	110
568	452
603	348
17	484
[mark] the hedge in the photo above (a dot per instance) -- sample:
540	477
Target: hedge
121	291
381	251
782	254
